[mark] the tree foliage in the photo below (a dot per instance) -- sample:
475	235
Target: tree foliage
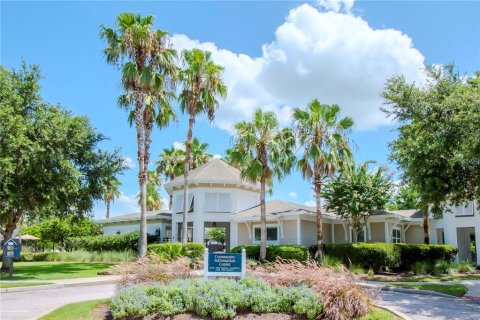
326	148
405	198
50	164
149	75
356	193
262	150
217	234
438	146
110	193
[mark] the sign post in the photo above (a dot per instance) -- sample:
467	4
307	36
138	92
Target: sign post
11	250
224	264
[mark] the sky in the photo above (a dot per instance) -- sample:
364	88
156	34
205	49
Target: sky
277	55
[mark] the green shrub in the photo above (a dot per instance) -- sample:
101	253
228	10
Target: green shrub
442	267
464	267
284	251
411	253
216	298
172	251
421	268
332	262
41	256
80	256
114	242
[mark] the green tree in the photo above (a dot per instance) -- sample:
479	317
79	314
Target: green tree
356	193
201	82
148	77
55	230
405	198
263	150
217	234
83	227
437	146
50	164
154	200
110	193
171	165
326	148
199	153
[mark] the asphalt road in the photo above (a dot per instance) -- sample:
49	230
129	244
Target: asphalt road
30	305
422	307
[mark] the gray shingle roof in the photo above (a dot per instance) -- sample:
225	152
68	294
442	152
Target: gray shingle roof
410	213
215	171
157	214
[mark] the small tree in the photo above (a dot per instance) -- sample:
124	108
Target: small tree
110	193
356	193
217	234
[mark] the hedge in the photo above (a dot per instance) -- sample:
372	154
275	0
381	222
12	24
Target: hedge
284	251
380	256
114	242
171	251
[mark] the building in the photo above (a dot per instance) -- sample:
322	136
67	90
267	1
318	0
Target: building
218	197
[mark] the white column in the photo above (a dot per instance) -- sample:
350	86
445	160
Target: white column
299	228
333	232
174	228
477	243
387	232
233	234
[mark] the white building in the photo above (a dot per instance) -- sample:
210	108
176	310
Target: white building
218	197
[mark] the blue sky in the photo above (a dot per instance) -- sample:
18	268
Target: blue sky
277	56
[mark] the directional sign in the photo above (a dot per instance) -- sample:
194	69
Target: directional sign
224	264
12	249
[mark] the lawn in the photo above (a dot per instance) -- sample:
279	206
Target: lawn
54	270
7	284
429	278
456	290
96	310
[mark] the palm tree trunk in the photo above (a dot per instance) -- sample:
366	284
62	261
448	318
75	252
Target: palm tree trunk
426	227
108	210
186	205
263	221
318	189
142	177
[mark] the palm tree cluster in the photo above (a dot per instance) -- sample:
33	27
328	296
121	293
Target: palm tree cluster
262	150
150	73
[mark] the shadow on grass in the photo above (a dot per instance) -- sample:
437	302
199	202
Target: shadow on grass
54	270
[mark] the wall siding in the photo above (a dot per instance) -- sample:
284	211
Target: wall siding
289	232
414	234
339	234
377	230
243	237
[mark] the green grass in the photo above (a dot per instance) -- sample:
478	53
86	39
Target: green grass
77	311
440	278
456	290
6	284
380	314
85	311
54	270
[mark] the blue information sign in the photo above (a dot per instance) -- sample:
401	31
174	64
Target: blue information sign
12	249
225	262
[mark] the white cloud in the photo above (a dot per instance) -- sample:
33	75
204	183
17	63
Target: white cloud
334	56
126	203
292	194
179	145
129	162
310	203
336	5
217	156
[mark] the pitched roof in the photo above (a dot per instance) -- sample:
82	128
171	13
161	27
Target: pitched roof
215	171
277	207
157	214
410	213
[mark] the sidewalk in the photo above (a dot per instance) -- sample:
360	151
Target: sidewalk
473	287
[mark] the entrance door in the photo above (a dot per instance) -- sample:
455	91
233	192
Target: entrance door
465	238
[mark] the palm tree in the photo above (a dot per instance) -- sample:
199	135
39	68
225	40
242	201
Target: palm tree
154	201
326	148
202	83
263	150
199	153
171	165
110	193
148	78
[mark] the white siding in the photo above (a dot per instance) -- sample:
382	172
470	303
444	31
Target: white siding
308	232
289	232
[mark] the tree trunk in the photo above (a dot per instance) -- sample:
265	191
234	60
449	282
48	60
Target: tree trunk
142	178
318	189
186	205
108	210
263	221
170	202
426	228
355	234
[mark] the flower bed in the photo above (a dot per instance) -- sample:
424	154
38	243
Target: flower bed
220	299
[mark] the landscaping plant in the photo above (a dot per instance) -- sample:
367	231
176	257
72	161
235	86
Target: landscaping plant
464	267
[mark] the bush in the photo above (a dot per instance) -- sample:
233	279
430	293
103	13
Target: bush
114	242
331	262
80	256
464	267
380	256
172	251
216	298
421	268
42	256
288	252
442	267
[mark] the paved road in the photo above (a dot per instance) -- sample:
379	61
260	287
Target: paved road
30	305
422	307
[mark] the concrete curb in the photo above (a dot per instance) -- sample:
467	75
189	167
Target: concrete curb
395	312
56	286
405	290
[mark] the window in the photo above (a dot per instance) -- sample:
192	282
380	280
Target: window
396	235
466	209
272	234
178	203
217	202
